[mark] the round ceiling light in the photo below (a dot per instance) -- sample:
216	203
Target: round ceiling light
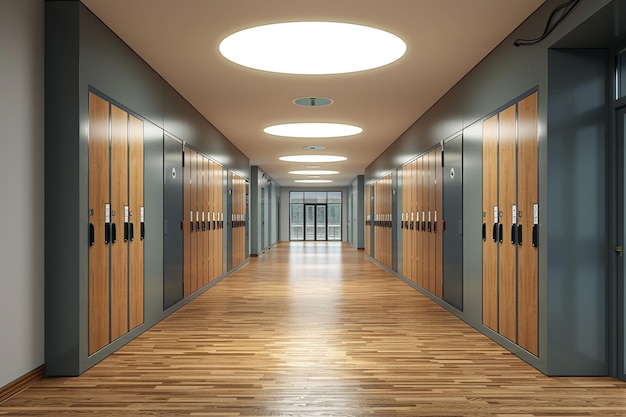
312	158
313	130
313	101
313	48
313	181
315	172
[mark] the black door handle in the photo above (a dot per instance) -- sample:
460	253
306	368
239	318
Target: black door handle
126	231
513	237
113	233
142	231
535	235
132	232
484	231
203	226
519	234
92	235
494	233
500	232
435	227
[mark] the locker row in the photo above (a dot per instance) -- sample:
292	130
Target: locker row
510	222
422	224
116	187
239	210
204	220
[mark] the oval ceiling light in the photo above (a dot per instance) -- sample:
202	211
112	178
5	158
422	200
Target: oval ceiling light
313	101
312	48
312	158
313	181
313	130
315	172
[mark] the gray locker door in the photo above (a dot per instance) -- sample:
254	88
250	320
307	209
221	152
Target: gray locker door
172	218
453	216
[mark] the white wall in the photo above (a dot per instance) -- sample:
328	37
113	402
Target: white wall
21	187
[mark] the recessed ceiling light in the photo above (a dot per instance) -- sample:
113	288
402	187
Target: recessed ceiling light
312	158
314	48
314	148
316	172
313	101
313	130
313	181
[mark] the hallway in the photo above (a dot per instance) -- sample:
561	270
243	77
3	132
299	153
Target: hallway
315	329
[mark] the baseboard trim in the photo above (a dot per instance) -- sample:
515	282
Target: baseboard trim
22	383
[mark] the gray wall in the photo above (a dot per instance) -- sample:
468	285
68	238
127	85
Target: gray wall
505	74
83	54
22	186
356	217
263	226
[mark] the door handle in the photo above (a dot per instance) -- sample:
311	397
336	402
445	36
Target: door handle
92	235
519	234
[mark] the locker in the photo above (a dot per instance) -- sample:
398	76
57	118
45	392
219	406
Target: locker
116	291
527	285
195	221
510	259
99	223
491	222
422	182
432	191
137	221
438	222
206	182
188	227
119	222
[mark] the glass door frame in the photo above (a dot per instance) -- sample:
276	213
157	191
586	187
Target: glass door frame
316	224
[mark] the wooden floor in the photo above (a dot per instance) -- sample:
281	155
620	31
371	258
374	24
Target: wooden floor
315	330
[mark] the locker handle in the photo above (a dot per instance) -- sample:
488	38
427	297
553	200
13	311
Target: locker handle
484	231
132	232
412	225
107	233
126	231
113	233
191	226
513	237
221	225
500	232
197	226
142	232
423	226
418	226
435	227
535	235
430	227
92	235
494	233
213	224
203	226
519	234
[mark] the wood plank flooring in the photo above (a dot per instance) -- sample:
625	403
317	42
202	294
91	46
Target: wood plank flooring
314	329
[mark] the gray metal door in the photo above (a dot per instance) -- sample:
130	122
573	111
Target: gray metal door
453	216
172	220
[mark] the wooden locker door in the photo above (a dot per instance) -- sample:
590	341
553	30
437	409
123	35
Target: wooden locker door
422	241
194	221
507	197
202	246
527	285
119	221
490	220
187	222
210	227
219	210
405	244
438	222
98	228
137	214
411	219
432	200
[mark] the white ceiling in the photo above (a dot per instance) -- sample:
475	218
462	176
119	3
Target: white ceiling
445	39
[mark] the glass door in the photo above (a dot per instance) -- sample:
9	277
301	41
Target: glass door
315	222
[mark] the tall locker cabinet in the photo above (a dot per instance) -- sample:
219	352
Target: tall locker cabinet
510	219
116	222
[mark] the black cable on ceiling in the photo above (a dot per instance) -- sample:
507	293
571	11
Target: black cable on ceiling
553	21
